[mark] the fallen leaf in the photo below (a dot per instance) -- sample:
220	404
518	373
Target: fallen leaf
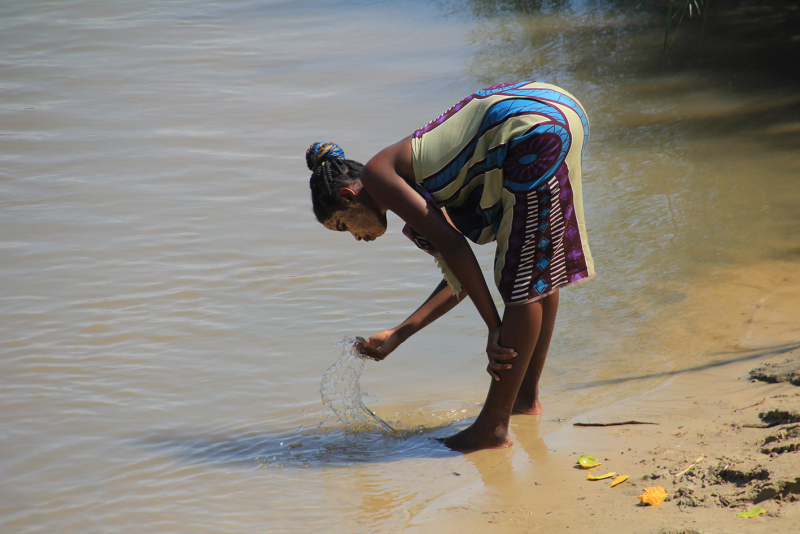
587	462
601	477
653	496
619	480
755	512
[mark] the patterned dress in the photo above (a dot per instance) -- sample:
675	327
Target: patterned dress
505	163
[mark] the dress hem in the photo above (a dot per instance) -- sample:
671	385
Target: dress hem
543	295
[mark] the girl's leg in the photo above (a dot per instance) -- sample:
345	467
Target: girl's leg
521	325
528	395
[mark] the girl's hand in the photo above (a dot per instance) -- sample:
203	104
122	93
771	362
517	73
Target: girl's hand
378	346
498	355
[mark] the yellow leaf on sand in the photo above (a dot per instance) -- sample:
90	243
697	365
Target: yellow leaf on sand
619	480
754	512
653	496
601	477
587	462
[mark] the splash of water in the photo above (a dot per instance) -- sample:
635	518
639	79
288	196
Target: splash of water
341	392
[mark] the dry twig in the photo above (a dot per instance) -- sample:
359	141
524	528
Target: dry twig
679	473
615	424
759	403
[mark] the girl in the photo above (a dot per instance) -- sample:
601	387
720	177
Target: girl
503	165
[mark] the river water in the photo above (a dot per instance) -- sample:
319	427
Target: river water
169	305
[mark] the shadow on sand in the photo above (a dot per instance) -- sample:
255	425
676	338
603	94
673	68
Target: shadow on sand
728	358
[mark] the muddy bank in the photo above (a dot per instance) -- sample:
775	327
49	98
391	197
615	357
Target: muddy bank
744	460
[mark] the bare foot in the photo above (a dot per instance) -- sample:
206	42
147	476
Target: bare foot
471	439
534	408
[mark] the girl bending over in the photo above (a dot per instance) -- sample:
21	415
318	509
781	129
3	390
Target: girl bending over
502	165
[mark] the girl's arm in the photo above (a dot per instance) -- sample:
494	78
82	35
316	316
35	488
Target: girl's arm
437	304
381	179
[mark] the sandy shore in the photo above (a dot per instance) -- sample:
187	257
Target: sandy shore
739	434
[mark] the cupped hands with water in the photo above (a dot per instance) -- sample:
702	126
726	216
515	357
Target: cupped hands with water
380	345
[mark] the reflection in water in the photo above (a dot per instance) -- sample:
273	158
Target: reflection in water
495	468
518	484
528	436
523	460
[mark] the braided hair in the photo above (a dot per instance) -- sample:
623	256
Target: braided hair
330	171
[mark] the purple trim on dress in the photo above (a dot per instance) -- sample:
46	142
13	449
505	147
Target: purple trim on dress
492	89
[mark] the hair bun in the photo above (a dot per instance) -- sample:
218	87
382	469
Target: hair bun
319	153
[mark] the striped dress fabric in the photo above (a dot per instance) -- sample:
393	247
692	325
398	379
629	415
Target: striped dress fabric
505	164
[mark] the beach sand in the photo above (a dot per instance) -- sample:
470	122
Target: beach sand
741	434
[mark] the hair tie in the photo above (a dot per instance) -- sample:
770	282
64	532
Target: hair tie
319	153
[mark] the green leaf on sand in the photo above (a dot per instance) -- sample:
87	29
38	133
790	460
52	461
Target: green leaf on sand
587	462
755	512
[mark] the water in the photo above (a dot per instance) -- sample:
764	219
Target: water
341	392
168	304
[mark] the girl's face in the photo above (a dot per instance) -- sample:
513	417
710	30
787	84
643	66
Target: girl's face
363	222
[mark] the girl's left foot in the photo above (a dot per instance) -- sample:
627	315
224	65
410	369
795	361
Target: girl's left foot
530	408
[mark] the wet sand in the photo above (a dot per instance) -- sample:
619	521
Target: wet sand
740	434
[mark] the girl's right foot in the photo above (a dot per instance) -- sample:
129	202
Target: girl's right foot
471	439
